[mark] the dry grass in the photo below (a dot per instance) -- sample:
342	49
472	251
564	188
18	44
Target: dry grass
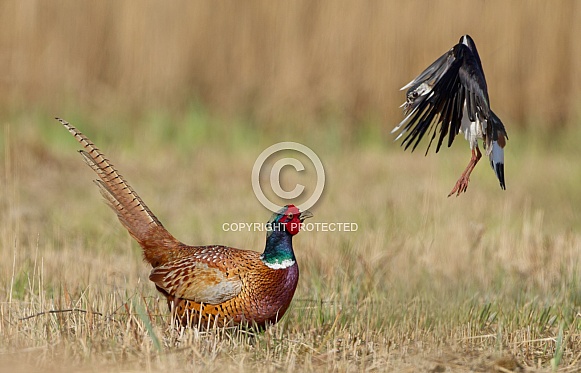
275	61
427	283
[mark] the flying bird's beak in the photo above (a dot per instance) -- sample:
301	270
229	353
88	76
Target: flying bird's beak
305	215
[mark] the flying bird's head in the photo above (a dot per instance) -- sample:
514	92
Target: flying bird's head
467	41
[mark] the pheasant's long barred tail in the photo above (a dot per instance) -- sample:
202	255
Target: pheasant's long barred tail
129	207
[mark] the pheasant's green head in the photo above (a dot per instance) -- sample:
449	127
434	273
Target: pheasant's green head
278	253
288	219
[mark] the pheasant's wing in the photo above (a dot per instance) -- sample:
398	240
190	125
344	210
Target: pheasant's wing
440	103
195	280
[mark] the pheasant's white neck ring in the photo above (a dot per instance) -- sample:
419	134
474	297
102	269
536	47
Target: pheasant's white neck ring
286	263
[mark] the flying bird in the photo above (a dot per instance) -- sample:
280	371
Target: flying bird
205	285
449	97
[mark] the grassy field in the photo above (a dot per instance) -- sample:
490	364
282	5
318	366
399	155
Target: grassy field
489	281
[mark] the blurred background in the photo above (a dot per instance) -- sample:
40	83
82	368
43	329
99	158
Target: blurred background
302	63
190	93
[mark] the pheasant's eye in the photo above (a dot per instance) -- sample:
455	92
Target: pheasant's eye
290	216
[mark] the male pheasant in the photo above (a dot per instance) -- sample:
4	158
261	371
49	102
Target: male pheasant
205	285
452	93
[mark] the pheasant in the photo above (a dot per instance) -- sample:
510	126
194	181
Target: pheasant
452	93
205	285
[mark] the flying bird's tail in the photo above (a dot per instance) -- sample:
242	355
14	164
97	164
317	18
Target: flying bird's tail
496	151
497	162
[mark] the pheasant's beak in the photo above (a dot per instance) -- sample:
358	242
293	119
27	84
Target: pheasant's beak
305	215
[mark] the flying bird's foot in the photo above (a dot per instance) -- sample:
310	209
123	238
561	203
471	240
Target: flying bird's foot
461	185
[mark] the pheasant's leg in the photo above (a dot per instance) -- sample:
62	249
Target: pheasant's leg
462	183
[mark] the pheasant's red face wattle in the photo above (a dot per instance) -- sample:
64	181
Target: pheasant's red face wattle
291	220
293	226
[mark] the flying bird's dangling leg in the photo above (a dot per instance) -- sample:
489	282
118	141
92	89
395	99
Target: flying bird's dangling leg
462	183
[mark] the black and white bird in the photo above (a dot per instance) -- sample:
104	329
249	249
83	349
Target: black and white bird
449	97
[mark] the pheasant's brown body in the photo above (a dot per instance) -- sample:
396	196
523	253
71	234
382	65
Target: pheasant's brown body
204	285
262	294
